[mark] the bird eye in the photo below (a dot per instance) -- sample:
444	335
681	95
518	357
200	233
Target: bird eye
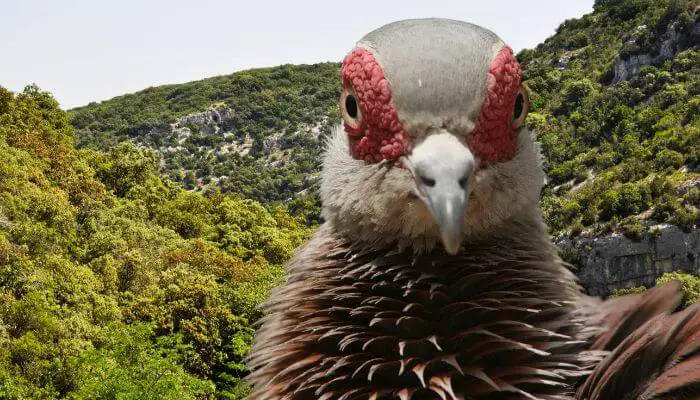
351	106
522	106
350	109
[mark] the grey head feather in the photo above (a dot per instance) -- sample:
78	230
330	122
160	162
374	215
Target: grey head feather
437	69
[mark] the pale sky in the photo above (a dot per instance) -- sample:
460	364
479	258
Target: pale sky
85	51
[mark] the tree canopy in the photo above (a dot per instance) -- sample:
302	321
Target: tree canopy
115	282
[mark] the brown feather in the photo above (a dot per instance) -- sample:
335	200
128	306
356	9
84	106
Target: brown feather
623	315
486	324
659	359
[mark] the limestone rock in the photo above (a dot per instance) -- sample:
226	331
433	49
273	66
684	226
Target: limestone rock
627	66
613	262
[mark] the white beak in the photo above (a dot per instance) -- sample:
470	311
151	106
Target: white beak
442	166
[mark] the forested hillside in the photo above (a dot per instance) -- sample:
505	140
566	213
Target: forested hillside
255	133
116	283
621	139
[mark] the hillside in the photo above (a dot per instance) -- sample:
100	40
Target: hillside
254	133
616	106
620	138
116	283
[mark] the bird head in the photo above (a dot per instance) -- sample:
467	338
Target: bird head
432	147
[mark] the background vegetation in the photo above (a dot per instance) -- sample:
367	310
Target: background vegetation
131	265
116	283
620	156
257	133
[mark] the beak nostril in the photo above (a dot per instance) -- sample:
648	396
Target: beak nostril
427	181
462	182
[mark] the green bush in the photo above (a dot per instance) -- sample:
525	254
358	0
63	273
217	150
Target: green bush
130	365
691	285
578	40
626	291
117	283
668	158
633	230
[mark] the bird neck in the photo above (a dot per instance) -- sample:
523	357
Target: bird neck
350	312
521	240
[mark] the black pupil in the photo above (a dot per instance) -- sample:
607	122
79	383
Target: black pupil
518	106
351	106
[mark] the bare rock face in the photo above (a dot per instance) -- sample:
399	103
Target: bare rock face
207	122
629	65
627	68
613	262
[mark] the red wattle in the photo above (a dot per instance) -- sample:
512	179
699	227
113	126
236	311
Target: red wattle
380	135
494	139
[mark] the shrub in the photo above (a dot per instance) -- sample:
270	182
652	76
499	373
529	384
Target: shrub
633	230
691	285
668	158
609	205
576	229
626	291
692	197
685	218
577	40
132	366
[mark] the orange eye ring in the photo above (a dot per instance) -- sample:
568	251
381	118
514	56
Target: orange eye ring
521	108
350	109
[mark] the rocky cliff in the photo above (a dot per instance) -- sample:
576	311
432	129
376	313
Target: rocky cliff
613	262
672	42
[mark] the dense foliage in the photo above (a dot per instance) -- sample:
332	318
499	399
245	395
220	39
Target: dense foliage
256	133
621	154
116	283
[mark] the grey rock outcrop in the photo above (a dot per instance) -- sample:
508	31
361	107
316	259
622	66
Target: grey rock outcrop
614	262
628	66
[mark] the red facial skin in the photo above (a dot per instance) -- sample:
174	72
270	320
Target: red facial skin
495	138
379	135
